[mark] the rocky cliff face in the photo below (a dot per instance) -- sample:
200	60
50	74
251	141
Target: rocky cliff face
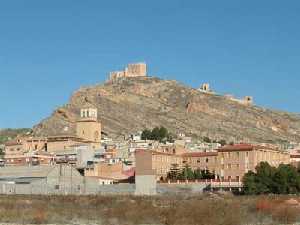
132	104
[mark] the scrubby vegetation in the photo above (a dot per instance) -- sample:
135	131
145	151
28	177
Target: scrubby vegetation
7	134
210	209
158	134
186	173
284	179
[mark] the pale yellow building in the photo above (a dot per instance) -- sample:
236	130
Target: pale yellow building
201	160
233	161
24	145
88	131
87	127
159	162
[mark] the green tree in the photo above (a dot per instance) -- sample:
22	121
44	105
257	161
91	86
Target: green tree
222	142
187	173
162	133
250	185
206	174
282	180
286	180
155	134
174	173
207	139
265	175
197	174
146	134
158	133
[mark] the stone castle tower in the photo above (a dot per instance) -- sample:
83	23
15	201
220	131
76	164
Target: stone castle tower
132	70
88	127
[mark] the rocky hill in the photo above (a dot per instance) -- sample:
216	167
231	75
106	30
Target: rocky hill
132	104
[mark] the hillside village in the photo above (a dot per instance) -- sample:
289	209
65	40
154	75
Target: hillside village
81	157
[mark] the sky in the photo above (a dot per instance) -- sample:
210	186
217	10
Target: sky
48	49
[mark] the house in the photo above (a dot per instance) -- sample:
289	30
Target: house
29	159
108	173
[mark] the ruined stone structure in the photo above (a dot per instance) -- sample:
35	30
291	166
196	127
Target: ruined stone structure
247	100
205	87
132	70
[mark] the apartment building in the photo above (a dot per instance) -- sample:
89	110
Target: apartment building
159	162
201	160
233	161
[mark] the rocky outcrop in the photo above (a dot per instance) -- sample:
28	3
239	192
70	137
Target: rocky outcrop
132	104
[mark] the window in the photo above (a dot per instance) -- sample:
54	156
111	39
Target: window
96	135
206	160
56	187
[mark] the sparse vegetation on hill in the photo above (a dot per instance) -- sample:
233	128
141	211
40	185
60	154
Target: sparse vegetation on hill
158	133
130	105
8	134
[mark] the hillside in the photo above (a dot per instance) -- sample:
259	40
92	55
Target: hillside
132	104
8	134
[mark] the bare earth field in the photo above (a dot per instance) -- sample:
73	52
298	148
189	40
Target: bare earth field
207	209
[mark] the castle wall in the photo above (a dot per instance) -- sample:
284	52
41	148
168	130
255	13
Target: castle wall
132	70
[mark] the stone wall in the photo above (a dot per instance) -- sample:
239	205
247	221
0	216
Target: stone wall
91	188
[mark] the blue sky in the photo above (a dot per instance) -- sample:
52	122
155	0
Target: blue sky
48	49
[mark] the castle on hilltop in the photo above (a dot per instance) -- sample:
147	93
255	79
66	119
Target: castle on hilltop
132	70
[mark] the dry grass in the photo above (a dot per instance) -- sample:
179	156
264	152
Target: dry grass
129	210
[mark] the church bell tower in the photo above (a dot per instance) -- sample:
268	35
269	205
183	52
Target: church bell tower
88	127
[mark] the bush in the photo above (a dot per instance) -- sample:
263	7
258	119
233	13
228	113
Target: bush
282	180
158	134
